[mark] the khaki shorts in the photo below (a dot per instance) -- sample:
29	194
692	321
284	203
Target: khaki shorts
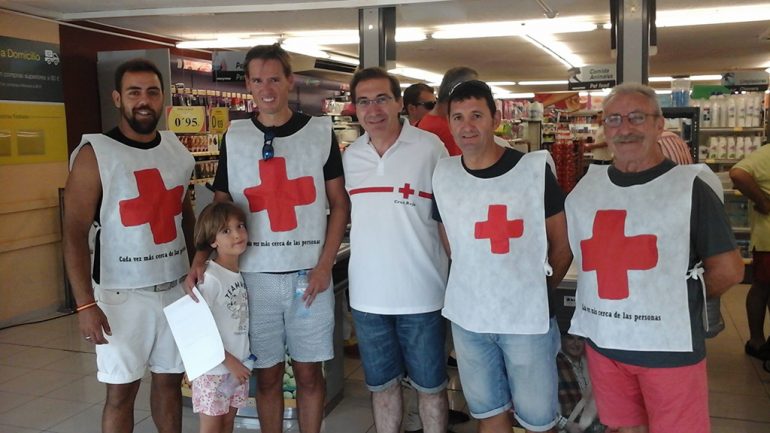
140	337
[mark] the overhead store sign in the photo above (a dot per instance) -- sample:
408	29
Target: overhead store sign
228	65
592	77
747	81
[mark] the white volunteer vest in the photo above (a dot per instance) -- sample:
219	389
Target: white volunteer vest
141	242
496	231
631	247
284	197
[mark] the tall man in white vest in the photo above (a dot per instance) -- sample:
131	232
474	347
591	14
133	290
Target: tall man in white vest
130	184
651	242
398	269
284	168
506	233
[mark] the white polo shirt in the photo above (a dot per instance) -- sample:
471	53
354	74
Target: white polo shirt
397	263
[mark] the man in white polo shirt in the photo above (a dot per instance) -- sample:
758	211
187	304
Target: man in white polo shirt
397	268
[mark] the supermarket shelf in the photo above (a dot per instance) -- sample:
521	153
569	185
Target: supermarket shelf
720	161
733	129
741	230
204	153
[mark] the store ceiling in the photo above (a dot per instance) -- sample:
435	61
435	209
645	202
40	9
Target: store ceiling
708	49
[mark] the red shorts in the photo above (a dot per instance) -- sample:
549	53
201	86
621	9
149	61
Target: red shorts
664	399
761	266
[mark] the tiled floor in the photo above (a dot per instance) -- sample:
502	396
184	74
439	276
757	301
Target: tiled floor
48	384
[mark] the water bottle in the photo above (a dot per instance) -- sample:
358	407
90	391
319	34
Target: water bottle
299	290
230	382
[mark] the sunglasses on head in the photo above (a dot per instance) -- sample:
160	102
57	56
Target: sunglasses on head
267	150
427	104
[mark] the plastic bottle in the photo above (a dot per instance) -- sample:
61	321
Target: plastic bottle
230	383
740	110
705	113
299	290
716	111
730	111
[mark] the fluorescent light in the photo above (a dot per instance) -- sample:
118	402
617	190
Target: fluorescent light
418	74
716	15
228	42
663	91
705	77
555	49
515	96
343	59
305	49
501	83
514	28
660	79
542	82
348	37
767	70
410	34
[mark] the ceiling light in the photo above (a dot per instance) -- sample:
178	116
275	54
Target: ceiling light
515	96
410	34
501	83
542	82
663	91
418	74
228	42
514	28
349	37
767	70
555	49
660	79
705	77
716	15
304	49
343	59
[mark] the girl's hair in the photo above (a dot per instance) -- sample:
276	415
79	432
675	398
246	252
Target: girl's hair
213	218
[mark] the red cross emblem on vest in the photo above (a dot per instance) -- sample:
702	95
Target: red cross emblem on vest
279	195
612	254
156	206
499	229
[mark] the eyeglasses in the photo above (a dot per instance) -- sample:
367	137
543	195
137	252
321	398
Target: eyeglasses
634	118
267	150
380	100
427	104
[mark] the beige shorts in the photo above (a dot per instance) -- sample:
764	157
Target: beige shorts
140	337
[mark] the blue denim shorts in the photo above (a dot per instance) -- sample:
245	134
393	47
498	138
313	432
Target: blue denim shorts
402	345
501	370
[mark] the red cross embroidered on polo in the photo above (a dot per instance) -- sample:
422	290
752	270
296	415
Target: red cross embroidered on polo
156	206
279	195
499	229
612	254
406	190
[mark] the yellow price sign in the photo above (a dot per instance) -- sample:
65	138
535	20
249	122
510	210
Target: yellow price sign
186	119
219	119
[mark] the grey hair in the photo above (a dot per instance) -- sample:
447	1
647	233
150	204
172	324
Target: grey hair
631	88
452	78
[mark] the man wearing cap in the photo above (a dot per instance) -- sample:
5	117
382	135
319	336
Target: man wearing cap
651	242
505	229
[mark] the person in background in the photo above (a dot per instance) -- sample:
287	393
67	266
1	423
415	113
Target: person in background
397	270
674	148
419	100
131	184
284	169
651	241
436	121
578	405
221	226
600	152
506	233
751	177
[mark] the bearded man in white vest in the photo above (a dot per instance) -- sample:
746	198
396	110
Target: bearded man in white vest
130	185
651	242
284	168
506	233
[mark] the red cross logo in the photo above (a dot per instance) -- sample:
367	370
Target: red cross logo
498	229
156	206
279	195
406	190
612	254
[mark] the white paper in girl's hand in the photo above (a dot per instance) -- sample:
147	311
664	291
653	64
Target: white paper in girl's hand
196	334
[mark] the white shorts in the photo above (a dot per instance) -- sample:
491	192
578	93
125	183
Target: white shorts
140	336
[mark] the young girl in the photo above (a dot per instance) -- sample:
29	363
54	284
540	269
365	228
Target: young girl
221	226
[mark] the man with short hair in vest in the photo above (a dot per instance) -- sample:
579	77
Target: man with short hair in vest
130	184
651	242
506	233
283	168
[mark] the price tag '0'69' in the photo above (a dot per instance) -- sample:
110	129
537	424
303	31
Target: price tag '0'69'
186	119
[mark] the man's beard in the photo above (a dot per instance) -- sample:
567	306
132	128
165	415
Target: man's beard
145	126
